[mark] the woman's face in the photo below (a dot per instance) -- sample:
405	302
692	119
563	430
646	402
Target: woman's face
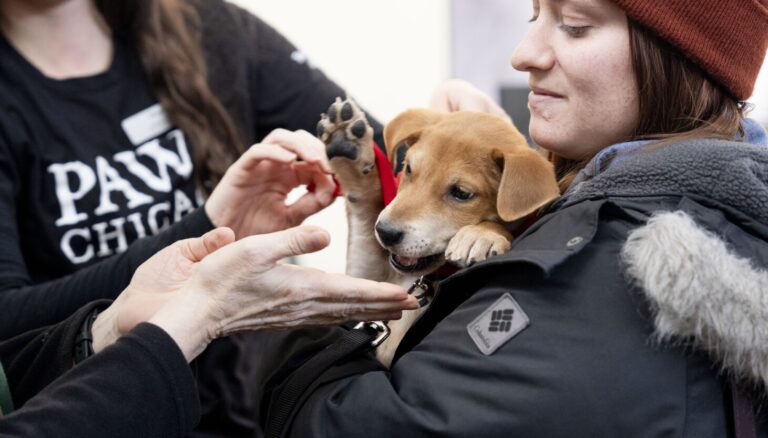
584	96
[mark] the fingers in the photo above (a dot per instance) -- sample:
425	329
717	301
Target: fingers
283	146
343	313
320	197
261	151
318	314
458	95
216	239
198	248
307	205
477	102
305	145
492	108
440	102
291	242
329	287
310	175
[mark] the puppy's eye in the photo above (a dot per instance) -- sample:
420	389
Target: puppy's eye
407	170
460	194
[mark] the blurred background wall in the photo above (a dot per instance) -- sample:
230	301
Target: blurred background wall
390	55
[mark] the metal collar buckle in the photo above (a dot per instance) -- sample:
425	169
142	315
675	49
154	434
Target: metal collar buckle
421	289
379	327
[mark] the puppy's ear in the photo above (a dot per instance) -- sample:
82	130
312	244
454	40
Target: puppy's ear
528	183
405	129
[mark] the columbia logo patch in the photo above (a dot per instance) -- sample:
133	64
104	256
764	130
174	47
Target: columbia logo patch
498	324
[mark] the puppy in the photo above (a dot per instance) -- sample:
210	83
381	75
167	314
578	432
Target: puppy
466	180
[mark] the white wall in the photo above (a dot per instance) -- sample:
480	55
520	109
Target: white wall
389	55
484	39
760	96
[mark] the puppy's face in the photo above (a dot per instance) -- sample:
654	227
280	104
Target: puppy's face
458	170
443	187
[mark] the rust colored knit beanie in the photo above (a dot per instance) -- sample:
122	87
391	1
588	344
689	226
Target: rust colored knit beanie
725	38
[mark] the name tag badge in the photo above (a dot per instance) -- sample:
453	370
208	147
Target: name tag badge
146	124
498	324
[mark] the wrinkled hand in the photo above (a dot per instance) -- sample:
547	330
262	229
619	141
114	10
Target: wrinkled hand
250	199
242	286
156	282
208	287
459	95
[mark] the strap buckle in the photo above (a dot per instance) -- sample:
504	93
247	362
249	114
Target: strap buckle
379	327
421	289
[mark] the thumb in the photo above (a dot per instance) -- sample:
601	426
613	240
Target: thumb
310	203
198	248
294	241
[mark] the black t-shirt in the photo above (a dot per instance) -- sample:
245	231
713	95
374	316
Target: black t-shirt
56	237
98	161
87	165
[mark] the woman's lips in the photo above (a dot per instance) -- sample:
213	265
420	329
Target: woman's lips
539	98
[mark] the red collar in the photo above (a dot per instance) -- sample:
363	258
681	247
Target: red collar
389	181
387	178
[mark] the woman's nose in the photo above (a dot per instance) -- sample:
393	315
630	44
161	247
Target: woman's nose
534	51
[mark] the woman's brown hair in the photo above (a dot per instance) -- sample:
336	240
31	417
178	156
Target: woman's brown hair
167	38
677	101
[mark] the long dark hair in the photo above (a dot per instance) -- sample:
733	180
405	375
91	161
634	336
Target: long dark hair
167	37
677	101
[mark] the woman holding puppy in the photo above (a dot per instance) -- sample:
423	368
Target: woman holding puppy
635	305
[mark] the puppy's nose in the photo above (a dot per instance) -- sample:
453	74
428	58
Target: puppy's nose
388	234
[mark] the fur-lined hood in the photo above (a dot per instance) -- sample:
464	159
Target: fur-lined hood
700	286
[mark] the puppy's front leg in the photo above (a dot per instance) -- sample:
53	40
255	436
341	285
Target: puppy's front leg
349	145
386	351
475	243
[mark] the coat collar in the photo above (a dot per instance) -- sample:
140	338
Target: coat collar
702	291
754	134
728	172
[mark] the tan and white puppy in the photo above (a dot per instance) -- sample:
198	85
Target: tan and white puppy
465	177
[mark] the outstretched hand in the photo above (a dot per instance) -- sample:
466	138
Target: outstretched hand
251	197
208	287
244	287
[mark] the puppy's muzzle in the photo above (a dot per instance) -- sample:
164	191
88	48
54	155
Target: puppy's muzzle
388	234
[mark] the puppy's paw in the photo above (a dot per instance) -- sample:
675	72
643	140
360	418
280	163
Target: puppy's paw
348	142
475	243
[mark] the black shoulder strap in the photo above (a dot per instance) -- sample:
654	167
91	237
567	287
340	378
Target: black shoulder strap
743	413
286	401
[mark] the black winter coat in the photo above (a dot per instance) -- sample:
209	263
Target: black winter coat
612	316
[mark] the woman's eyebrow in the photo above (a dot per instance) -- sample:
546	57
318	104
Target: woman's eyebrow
586	4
